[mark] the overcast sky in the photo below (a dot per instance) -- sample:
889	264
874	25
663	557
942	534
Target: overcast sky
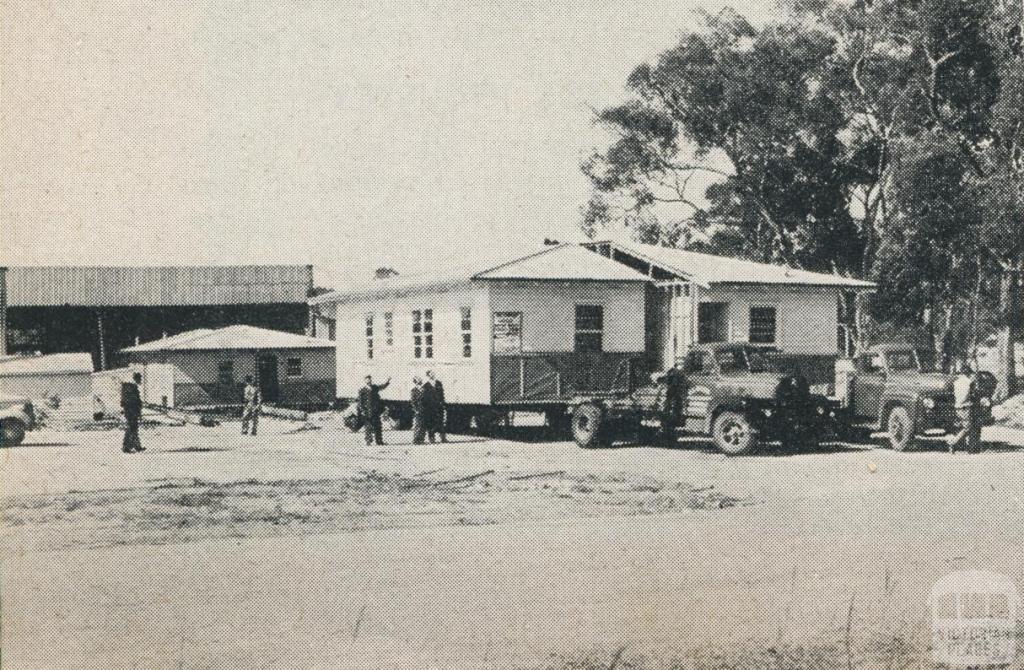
348	135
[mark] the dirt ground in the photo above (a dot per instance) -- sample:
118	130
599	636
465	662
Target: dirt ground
306	549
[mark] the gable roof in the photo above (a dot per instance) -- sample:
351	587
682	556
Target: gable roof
231	337
708	269
562	262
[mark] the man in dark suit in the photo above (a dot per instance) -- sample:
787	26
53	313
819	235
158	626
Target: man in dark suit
371	407
418	402
437	409
131	403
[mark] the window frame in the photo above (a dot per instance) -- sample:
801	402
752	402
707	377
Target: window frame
368	319
423	333
588	330
389	329
775	323
466	331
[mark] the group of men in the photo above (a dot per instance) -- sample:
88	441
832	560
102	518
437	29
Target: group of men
428	405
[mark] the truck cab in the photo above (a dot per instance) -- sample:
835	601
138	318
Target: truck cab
889	387
734	392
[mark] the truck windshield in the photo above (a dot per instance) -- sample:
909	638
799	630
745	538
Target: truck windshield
734	361
902	360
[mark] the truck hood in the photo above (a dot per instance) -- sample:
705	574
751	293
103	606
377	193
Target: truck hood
761	385
923	382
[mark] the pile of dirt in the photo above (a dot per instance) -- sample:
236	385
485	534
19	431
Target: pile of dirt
190	509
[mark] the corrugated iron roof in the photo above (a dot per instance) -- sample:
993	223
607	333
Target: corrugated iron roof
563	262
707	269
231	337
46	364
158	286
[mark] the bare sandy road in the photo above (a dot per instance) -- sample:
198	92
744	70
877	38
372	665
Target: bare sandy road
308	550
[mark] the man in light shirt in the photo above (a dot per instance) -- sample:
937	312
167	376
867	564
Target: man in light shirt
966	400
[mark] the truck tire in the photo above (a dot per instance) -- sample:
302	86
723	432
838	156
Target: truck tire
12	432
733	434
588	426
900	426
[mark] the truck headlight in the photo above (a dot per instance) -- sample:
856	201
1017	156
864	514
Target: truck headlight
821	410
929	403
767	412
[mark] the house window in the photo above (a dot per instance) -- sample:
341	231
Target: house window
589	327
712	322
467	332
423	333
293	367
369	336
226	372
389	329
762	325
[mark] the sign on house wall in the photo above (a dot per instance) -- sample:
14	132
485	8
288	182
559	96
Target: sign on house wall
507	333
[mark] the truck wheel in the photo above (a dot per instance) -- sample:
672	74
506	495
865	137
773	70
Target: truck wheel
588	426
900	426
733	434
12	432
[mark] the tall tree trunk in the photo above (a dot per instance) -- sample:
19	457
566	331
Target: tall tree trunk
1009	330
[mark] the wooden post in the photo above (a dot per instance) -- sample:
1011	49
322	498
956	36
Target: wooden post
3	311
103	344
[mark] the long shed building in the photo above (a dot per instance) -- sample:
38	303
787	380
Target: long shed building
104	309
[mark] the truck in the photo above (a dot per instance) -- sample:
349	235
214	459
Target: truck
888	387
17	416
735	394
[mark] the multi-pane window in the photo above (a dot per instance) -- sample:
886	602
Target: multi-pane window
762	325
589	327
423	333
369	336
293	367
466	327
226	372
712	322
389	329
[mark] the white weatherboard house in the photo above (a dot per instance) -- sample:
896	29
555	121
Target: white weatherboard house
527	333
700	298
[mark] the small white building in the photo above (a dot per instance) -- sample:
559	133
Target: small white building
527	333
700	298
209	367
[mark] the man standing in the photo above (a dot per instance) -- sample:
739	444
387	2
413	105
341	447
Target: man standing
673	413
131	403
253	404
418	403
967	401
437	408
371	407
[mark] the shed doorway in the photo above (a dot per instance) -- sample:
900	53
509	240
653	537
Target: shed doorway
266	364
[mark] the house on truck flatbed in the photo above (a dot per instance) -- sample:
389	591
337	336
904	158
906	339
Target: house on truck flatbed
696	298
527	334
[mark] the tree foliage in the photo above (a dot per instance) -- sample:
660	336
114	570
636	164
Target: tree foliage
882	138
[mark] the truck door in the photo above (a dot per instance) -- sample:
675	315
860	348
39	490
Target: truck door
698	393
867	385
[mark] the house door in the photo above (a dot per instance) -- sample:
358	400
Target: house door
267	366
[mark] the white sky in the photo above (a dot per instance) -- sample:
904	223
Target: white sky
348	135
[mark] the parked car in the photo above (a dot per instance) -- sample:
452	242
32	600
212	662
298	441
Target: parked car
887	387
17	417
735	394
